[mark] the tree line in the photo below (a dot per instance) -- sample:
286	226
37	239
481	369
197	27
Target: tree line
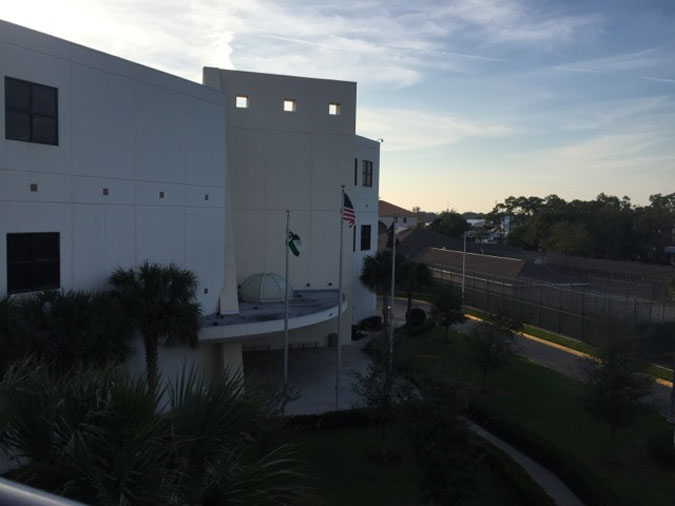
608	227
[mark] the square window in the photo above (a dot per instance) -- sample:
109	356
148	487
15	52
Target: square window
334	109
33	187
289	105
106	192
33	262
31	112
241	101
161	195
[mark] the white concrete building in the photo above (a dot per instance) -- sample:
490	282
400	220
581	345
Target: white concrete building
364	239
105	163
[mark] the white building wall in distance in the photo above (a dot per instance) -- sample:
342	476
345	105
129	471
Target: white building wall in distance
138	153
364	302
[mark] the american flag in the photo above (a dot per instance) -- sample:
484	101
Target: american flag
348	213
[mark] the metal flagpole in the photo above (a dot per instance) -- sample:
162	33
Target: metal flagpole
393	284
288	217
339	318
463	267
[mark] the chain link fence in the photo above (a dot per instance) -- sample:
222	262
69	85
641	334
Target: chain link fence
574	310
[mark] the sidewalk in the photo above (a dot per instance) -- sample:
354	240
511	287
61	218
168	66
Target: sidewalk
554	486
312	375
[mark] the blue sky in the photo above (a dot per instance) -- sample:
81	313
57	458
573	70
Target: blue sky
476	100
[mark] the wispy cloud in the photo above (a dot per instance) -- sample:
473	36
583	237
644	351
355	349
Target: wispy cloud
376	43
511	21
659	79
626	113
406	129
627	62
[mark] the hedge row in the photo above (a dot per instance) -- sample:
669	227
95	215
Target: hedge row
529	492
355	417
579	478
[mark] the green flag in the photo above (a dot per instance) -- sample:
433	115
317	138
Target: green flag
294	243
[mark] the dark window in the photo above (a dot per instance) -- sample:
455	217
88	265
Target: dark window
365	237
367	173
31	112
354	239
33	262
356	171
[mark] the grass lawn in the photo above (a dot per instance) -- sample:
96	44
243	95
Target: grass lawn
549	405
342	474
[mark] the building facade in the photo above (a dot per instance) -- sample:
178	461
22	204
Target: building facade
105	163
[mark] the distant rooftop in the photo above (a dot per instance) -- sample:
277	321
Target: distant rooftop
485	264
388	209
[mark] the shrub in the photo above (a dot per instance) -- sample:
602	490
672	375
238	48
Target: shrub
446	308
355	417
491	347
372	323
661	449
416	317
99	436
447	452
416	331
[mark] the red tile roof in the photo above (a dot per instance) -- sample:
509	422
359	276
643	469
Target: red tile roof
387	209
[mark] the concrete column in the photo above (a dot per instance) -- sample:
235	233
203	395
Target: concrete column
232	357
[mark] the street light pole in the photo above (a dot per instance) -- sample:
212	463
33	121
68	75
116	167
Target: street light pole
463	268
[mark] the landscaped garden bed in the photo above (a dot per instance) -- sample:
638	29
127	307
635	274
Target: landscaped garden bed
541	412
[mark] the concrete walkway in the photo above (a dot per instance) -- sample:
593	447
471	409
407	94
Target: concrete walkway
554	486
312	375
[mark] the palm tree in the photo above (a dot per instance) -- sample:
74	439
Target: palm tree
416	277
102	436
75	326
12	342
376	276
161	302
